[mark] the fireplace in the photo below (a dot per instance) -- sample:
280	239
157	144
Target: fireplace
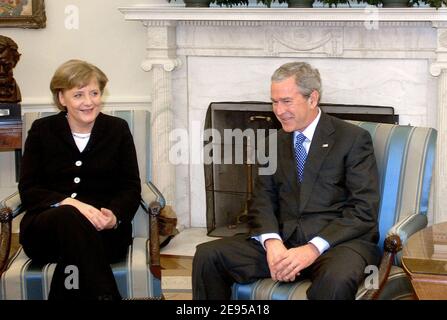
233	147
229	179
195	56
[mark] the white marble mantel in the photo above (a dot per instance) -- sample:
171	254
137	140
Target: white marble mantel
395	57
148	12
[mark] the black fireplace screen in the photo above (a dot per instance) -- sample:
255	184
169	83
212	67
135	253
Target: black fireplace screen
229	169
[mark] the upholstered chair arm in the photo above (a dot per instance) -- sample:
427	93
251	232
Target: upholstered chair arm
10	208
394	241
14	203
406	228
153	201
150	193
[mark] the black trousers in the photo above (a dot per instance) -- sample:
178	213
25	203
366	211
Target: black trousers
218	264
63	235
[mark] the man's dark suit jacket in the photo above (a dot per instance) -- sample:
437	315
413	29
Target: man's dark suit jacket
338	198
108	168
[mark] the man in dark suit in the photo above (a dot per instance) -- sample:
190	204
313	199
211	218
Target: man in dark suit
316	216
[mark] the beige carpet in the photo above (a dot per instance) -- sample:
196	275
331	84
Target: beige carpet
176	261
184	244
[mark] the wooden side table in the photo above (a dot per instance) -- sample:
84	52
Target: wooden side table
10	135
11	131
424	258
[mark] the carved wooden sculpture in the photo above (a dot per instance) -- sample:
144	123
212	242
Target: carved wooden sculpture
9	56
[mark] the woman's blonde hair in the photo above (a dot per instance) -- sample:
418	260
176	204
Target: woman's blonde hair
75	73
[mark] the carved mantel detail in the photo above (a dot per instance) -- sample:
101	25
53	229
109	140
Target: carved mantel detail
167	64
320	40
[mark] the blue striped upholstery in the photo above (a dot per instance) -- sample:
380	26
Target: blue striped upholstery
405	158
24	279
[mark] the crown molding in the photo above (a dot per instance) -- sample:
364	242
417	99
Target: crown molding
255	16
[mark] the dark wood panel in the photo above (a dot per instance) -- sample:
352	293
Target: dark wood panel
10	136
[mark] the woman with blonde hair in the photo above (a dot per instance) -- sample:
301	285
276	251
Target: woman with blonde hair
80	187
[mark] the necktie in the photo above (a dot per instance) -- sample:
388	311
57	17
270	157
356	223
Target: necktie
300	154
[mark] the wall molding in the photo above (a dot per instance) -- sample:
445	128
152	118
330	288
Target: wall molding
156	14
33	104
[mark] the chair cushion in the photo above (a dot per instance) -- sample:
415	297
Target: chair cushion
267	289
397	287
27	280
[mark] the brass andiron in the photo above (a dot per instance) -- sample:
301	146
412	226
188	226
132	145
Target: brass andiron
242	217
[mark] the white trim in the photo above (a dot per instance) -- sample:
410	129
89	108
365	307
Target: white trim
178	13
107	100
112	103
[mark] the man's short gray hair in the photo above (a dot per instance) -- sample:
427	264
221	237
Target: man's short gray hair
307	78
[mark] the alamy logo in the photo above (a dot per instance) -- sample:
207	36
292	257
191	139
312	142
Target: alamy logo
372	280
234	147
372	18
72	280
72	17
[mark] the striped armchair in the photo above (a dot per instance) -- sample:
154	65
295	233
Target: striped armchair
405	158
138	275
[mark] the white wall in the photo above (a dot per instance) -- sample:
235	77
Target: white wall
103	38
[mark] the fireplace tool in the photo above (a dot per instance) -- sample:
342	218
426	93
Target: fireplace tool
242	217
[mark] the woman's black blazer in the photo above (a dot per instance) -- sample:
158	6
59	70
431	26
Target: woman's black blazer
105	174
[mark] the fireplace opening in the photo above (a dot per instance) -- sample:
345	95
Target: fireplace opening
233	131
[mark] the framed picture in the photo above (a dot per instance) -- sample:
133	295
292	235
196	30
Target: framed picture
22	14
